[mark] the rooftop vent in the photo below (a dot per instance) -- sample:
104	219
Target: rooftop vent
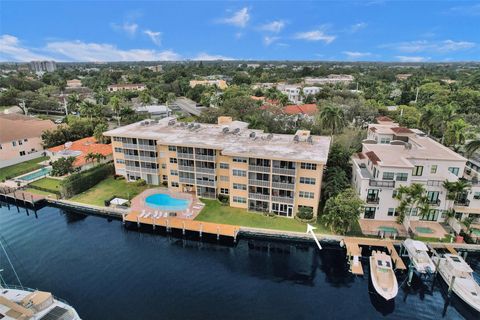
310	139
191	125
270	136
408	146
236	131
182	124
171	122
196	126
397	143
252	135
296	138
225	130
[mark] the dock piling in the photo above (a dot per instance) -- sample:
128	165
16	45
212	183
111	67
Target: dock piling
138	222
201	229
218	233
183	229
450	287
410	274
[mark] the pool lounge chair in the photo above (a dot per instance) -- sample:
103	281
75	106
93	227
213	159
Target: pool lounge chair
142	214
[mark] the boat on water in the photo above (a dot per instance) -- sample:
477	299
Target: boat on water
418	254
19	303
383	277
458	274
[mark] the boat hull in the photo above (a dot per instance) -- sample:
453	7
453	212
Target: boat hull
389	293
457	291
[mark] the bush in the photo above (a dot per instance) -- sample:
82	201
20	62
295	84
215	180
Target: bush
165	183
305	213
63	166
140	183
224	199
82	181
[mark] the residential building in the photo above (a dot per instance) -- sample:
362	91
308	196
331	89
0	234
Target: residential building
43	66
330	79
157	68
154	111
220	83
292	92
403	76
394	156
79	149
126	87
74	83
258	171
21	138
469	204
306	110
310	91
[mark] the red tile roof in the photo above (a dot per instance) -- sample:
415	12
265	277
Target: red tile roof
308	109
384	119
360	155
401	130
85	145
373	157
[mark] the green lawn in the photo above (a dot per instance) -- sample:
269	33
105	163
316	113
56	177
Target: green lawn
21	168
108	188
41	192
47	183
214	211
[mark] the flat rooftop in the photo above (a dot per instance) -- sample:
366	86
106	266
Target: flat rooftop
238	140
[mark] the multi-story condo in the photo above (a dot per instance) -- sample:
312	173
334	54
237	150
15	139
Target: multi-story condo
471	206
258	171
394	156
291	91
126	87
221	84
310	91
330	79
43	66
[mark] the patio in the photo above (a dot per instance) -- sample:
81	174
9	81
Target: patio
139	205
428	229
374	227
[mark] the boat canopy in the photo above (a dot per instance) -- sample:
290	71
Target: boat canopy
417	245
458	263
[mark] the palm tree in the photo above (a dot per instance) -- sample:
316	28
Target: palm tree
116	104
444	115
89	109
472	146
427	120
456	133
99	157
90	157
333	118
73	102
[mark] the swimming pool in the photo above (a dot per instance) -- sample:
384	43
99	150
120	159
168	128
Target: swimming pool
387	229
166	202
36	174
423	230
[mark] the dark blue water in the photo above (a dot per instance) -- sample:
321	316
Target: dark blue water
108	272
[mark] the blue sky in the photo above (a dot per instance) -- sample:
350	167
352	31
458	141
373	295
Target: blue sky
368	30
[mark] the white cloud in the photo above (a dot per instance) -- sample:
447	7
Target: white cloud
12	50
239	18
412	59
267	40
358	26
468	10
129	28
315	35
356	54
155	36
274	26
443	46
211	57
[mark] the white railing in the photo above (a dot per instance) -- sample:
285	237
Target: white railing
149	170
206	183
184	155
282	199
187	180
147	147
130	157
259	196
205	170
260	183
132	168
280	185
259	168
130	146
290	172
204	157
148	159
186	168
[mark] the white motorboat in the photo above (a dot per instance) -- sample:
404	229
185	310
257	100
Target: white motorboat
458	274
383	277
418	254
27	304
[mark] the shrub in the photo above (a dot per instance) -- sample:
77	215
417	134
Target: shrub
305	213
224	199
62	166
79	182
165	183
140	182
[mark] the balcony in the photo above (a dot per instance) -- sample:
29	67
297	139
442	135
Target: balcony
132	168
130	146
282	199
434	183
187	180
148	159
259	168
462	202
186	168
130	157
204	157
149	170
259	196
205	170
184	155
259	183
434	202
209	195
382	183
206	183
281	185
373	200
289	172
146	147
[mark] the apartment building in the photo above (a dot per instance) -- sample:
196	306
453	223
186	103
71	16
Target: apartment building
330	79
293	92
43	66
394	156
221	84
258	171
126	87
470	206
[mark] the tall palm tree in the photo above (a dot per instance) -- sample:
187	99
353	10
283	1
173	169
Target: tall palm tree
90	157
99	157
444	115
332	117
472	146
88	109
73	102
427	120
116	104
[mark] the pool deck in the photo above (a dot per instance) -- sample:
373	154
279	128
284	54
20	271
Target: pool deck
437	230
371	227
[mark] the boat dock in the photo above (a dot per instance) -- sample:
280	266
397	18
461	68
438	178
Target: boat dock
354	253
21	197
184	225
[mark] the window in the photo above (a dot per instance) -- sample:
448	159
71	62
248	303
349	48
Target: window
308	166
417	171
172	148
239	173
239	186
224	178
454	170
385	140
239	199
25	140
0	147
224	191
394	193
174	184
305	194
402	176
388	175
433	168
391	212
306	180
20	142
164	165
369	212
476	195
14	143
120	161
224	165
240	160
22	153
173	160
164	178
118	149
173	172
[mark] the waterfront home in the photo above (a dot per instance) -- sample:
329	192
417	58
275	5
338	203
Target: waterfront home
258	171
21	138
126	87
80	149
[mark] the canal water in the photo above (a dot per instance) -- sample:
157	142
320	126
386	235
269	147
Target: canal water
108	272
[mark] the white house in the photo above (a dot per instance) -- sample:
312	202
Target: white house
292	91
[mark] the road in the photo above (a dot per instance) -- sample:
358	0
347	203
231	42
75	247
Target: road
188	105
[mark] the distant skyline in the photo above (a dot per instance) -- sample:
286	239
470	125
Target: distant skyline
369	30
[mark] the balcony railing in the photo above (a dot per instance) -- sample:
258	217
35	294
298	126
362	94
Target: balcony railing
434	202
146	147
259	183
130	146
186	168
205	170
148	159
382	183
281	185
259	196
434	183
149	170
130	157
259	168
209	195
132	168
371	200
462	202
184	155
283	199
290	172
204	157
206	183
187	180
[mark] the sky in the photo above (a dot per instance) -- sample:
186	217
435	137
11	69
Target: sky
368	30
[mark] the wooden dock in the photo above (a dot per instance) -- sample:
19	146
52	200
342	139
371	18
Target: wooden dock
170	223
354	252
20	197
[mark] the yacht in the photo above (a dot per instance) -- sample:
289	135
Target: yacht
18	303
464	284
383	276
418	254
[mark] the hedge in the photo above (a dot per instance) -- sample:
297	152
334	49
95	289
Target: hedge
82	181
44	189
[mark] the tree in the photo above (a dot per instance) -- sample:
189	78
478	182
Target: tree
116	105
145	97
89	109
73	102
444	115
427	119
62	166
98	133
89	157
305	213
412	197
472	146
342	211
99	157
456	133
335	181
332	117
